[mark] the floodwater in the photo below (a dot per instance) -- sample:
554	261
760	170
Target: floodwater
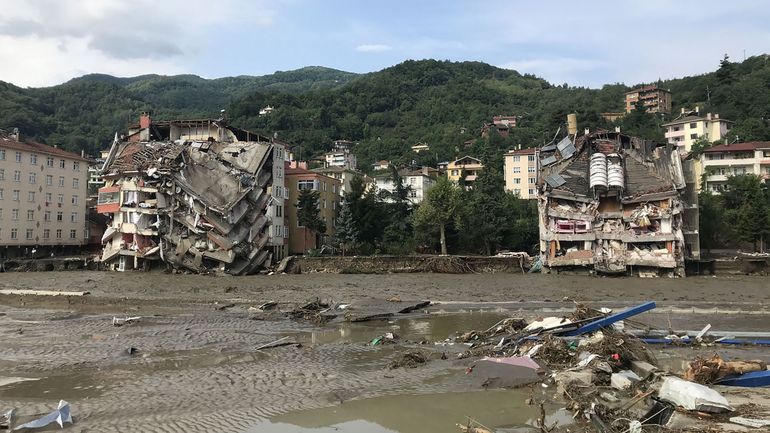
196	367
503	410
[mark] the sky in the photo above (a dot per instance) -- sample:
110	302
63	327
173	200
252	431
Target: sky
582	43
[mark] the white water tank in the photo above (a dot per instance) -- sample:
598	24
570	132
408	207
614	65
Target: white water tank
614	171
598	170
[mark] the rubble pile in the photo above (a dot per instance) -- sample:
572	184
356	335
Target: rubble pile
607	375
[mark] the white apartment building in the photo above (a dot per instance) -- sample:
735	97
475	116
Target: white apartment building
418	181
43	191
725	160
688	128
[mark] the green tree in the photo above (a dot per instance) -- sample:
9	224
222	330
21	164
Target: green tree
347	232
725	75
747	205
308	215
712	227
439	209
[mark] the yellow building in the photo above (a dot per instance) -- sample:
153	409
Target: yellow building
690	127
521	168
43	191
466	168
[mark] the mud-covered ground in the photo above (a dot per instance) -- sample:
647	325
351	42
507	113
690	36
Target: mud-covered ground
195	366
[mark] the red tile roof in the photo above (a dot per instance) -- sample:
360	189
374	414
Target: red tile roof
739	147
9	142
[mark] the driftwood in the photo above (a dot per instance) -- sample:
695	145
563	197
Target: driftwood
709	370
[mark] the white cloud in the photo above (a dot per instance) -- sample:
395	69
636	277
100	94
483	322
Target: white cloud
373	48
51	41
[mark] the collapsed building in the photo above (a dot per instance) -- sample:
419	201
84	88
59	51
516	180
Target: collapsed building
199	195
615	204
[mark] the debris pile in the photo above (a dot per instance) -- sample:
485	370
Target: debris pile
606	374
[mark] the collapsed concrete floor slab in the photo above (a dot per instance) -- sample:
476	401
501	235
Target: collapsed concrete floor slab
615	204
197	198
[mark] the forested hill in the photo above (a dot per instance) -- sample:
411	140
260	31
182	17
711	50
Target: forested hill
439	103
84	113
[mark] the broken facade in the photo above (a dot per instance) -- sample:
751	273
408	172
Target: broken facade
199	195
615	204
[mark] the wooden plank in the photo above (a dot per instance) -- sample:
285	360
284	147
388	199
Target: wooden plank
609	320
40	292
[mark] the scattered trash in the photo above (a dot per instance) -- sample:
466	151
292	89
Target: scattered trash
268	306
387	338
41	292
117	321
60	416
7	419
473	426
754	379
692	396
624	379
131	350
220	307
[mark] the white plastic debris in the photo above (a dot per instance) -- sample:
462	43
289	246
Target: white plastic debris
624	379
548	323
60	416
635	427
692	396
750	422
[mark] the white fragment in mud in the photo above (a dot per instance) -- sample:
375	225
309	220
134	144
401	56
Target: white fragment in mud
533	351
11	380
41	292
624	379
750	422
585	359
60	415
692	396
548	323
597	338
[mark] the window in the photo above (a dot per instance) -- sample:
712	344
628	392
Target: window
517	181
412	193
33	159
46	233
530	169
61	163
59	216
32	178
693	136
48	180
324	202
30	215
517	169
58	233
18	156
61	181
16	194
517	191
74	199
16	176
2	174
75	183
738	171
2	154
305	184
516	158
47	216
29	233
279	211
531	158
693	125
532	180
2	193
60	198
74	217
73	234
31	196
75	166
455	172
531	191
15	214
765	153
14	233
49	161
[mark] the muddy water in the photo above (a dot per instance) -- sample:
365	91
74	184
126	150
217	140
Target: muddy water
503	410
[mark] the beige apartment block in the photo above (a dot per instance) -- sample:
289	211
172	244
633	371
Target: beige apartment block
521	168
43	191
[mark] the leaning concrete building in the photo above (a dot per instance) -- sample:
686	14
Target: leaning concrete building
610	203
199	195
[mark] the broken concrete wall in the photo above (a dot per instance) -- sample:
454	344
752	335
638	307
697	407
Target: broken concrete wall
196	205
616	205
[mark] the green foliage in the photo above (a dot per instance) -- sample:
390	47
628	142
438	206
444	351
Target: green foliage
746	202
347	232
438	210
308	214
712	228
